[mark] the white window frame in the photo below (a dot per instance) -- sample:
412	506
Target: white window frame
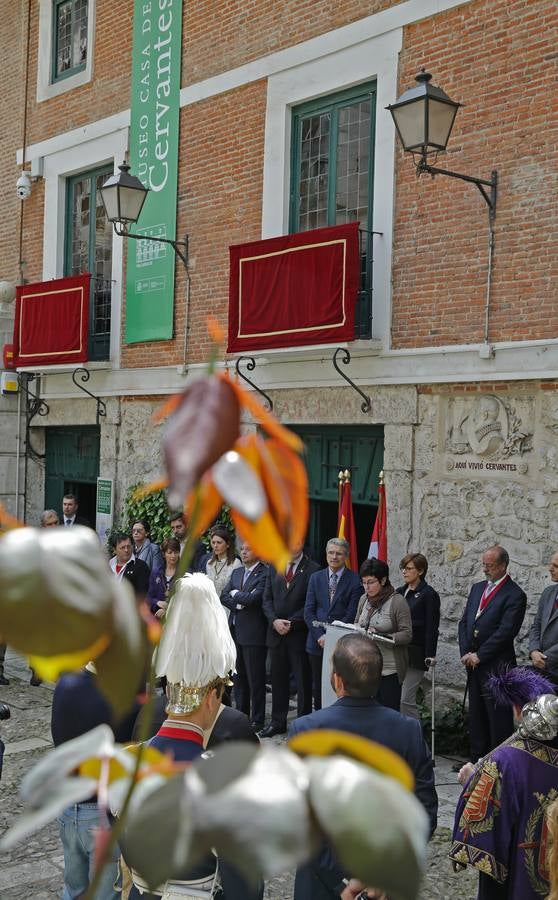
58	167
375	58
46	87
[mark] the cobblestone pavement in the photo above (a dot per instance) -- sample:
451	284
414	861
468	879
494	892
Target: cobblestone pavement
34	868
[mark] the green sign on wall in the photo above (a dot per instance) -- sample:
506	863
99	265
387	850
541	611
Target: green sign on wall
154	129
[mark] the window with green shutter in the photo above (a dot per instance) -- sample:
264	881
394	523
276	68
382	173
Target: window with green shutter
332	164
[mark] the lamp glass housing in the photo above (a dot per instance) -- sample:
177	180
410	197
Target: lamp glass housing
123	197
424	117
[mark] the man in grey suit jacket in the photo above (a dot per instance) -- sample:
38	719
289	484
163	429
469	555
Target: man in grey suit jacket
543	637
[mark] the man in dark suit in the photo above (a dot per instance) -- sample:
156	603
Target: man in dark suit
492	618
543	637
200	555
355	677
243	597
283	605
69	510
333	595
125	565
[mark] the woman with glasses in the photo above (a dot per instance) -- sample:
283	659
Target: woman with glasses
383	612
424	604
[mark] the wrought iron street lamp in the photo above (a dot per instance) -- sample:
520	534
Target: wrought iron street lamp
123	197
424	117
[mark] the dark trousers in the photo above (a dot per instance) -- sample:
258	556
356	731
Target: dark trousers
316	663
289	656
249	682
489	724
2	657
389	692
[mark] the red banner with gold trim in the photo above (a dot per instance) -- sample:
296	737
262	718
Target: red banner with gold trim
293	290
51	319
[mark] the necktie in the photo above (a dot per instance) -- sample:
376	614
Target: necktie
332	586
290	574
244	578
67	522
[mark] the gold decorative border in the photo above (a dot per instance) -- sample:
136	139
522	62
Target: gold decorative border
240	334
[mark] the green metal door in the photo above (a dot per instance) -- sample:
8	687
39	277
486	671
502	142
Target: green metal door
72	466
330	448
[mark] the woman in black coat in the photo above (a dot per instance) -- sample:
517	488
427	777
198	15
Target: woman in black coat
424	604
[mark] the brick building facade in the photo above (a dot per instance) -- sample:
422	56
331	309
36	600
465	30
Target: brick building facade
440	361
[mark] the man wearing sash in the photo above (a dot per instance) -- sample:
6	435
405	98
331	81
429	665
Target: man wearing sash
197	656
492	618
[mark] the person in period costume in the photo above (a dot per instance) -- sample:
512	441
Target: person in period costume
356	671
424	604
491	620
383	612
197	657
333	594
500	822
283	605
543	637
243	596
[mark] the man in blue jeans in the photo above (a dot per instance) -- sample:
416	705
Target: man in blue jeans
77	707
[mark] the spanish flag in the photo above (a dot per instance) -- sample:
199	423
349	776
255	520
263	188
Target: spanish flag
346	522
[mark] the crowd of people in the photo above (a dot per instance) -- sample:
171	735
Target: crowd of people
274	625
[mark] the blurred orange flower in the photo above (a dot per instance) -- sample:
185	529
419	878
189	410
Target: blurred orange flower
209	463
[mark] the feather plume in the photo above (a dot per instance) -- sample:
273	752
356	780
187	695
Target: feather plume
196	645
517	686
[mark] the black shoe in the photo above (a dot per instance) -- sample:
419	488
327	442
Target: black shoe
36	681
272	730
3	680
257	726
457	766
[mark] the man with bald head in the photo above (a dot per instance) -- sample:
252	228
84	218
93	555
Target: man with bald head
492	618
543	637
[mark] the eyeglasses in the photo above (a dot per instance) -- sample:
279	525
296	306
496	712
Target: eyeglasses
409	569
370	581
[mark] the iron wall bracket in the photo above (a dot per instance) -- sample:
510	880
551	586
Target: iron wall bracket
84	376
366	406
251	365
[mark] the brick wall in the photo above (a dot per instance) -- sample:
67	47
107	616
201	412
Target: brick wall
12	54
499	58
219	203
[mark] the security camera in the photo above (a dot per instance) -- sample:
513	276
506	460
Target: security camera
23	186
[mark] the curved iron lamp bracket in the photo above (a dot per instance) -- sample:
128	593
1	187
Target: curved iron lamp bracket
251	365
366	406
84	376
36	406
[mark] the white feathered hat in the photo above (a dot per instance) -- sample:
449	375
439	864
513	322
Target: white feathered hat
196	652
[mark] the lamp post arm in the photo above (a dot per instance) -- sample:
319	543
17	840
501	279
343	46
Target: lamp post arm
481	183
176	245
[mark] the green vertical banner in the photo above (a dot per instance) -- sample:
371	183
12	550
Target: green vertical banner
154	130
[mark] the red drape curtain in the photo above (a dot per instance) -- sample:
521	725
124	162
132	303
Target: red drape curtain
293	290
51	320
